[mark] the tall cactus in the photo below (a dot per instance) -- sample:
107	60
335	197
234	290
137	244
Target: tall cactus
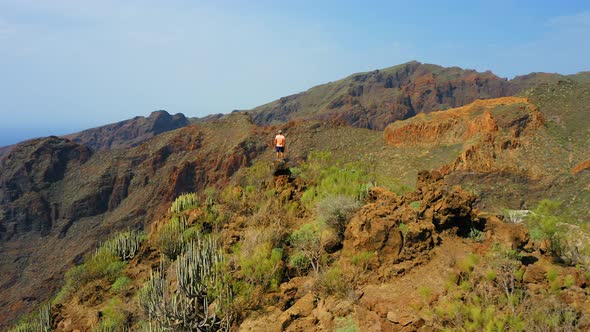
197	268
185	202
40	323
170	238
201	300
124	245
154	296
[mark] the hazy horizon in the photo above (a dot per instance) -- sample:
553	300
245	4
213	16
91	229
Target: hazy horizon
69	65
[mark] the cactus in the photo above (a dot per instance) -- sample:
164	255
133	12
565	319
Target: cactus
185	202
196	269
170	238
201	300
40	323
154	296
124	245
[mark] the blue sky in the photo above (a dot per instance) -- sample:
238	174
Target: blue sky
67	65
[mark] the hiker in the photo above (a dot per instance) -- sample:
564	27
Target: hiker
279	143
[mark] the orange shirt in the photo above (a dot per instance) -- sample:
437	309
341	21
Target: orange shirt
280	140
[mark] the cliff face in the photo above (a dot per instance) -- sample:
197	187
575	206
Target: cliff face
375	99
488	130
129	133
58	198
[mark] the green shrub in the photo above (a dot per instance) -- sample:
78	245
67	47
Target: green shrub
476	235
307	241
552	275
231	196
362	259
491	296
346	324
103	265
259	174
569	281
263	266
491	275
334	282
425	292
120	284
415	205
549	314
405	229
467	265
328	177
300	262
345	180
544	223
336	211
113	317
192	233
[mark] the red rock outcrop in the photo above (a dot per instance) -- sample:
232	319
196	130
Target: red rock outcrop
487	130
407	227
580	167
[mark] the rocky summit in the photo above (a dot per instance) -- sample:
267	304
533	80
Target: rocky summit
412	198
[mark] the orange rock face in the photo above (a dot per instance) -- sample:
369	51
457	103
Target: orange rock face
486	129
452	126
581	167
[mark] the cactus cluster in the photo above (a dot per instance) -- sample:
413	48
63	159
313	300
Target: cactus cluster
124	245
40	323
170	239
196	269
185	202
200	302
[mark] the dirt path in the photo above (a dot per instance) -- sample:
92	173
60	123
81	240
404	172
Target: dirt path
396	303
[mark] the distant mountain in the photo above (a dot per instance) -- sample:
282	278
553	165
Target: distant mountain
375	99
129	133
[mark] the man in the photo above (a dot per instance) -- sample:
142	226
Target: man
279	143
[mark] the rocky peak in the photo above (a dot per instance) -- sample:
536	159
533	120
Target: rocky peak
129	133
163	121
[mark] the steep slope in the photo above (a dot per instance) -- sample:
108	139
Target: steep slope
57	198
130	132
396	266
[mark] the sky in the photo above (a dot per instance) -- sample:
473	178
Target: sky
68	65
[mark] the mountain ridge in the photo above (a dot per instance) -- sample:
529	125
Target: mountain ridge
376	98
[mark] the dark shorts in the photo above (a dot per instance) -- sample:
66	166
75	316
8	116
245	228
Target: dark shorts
280	149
